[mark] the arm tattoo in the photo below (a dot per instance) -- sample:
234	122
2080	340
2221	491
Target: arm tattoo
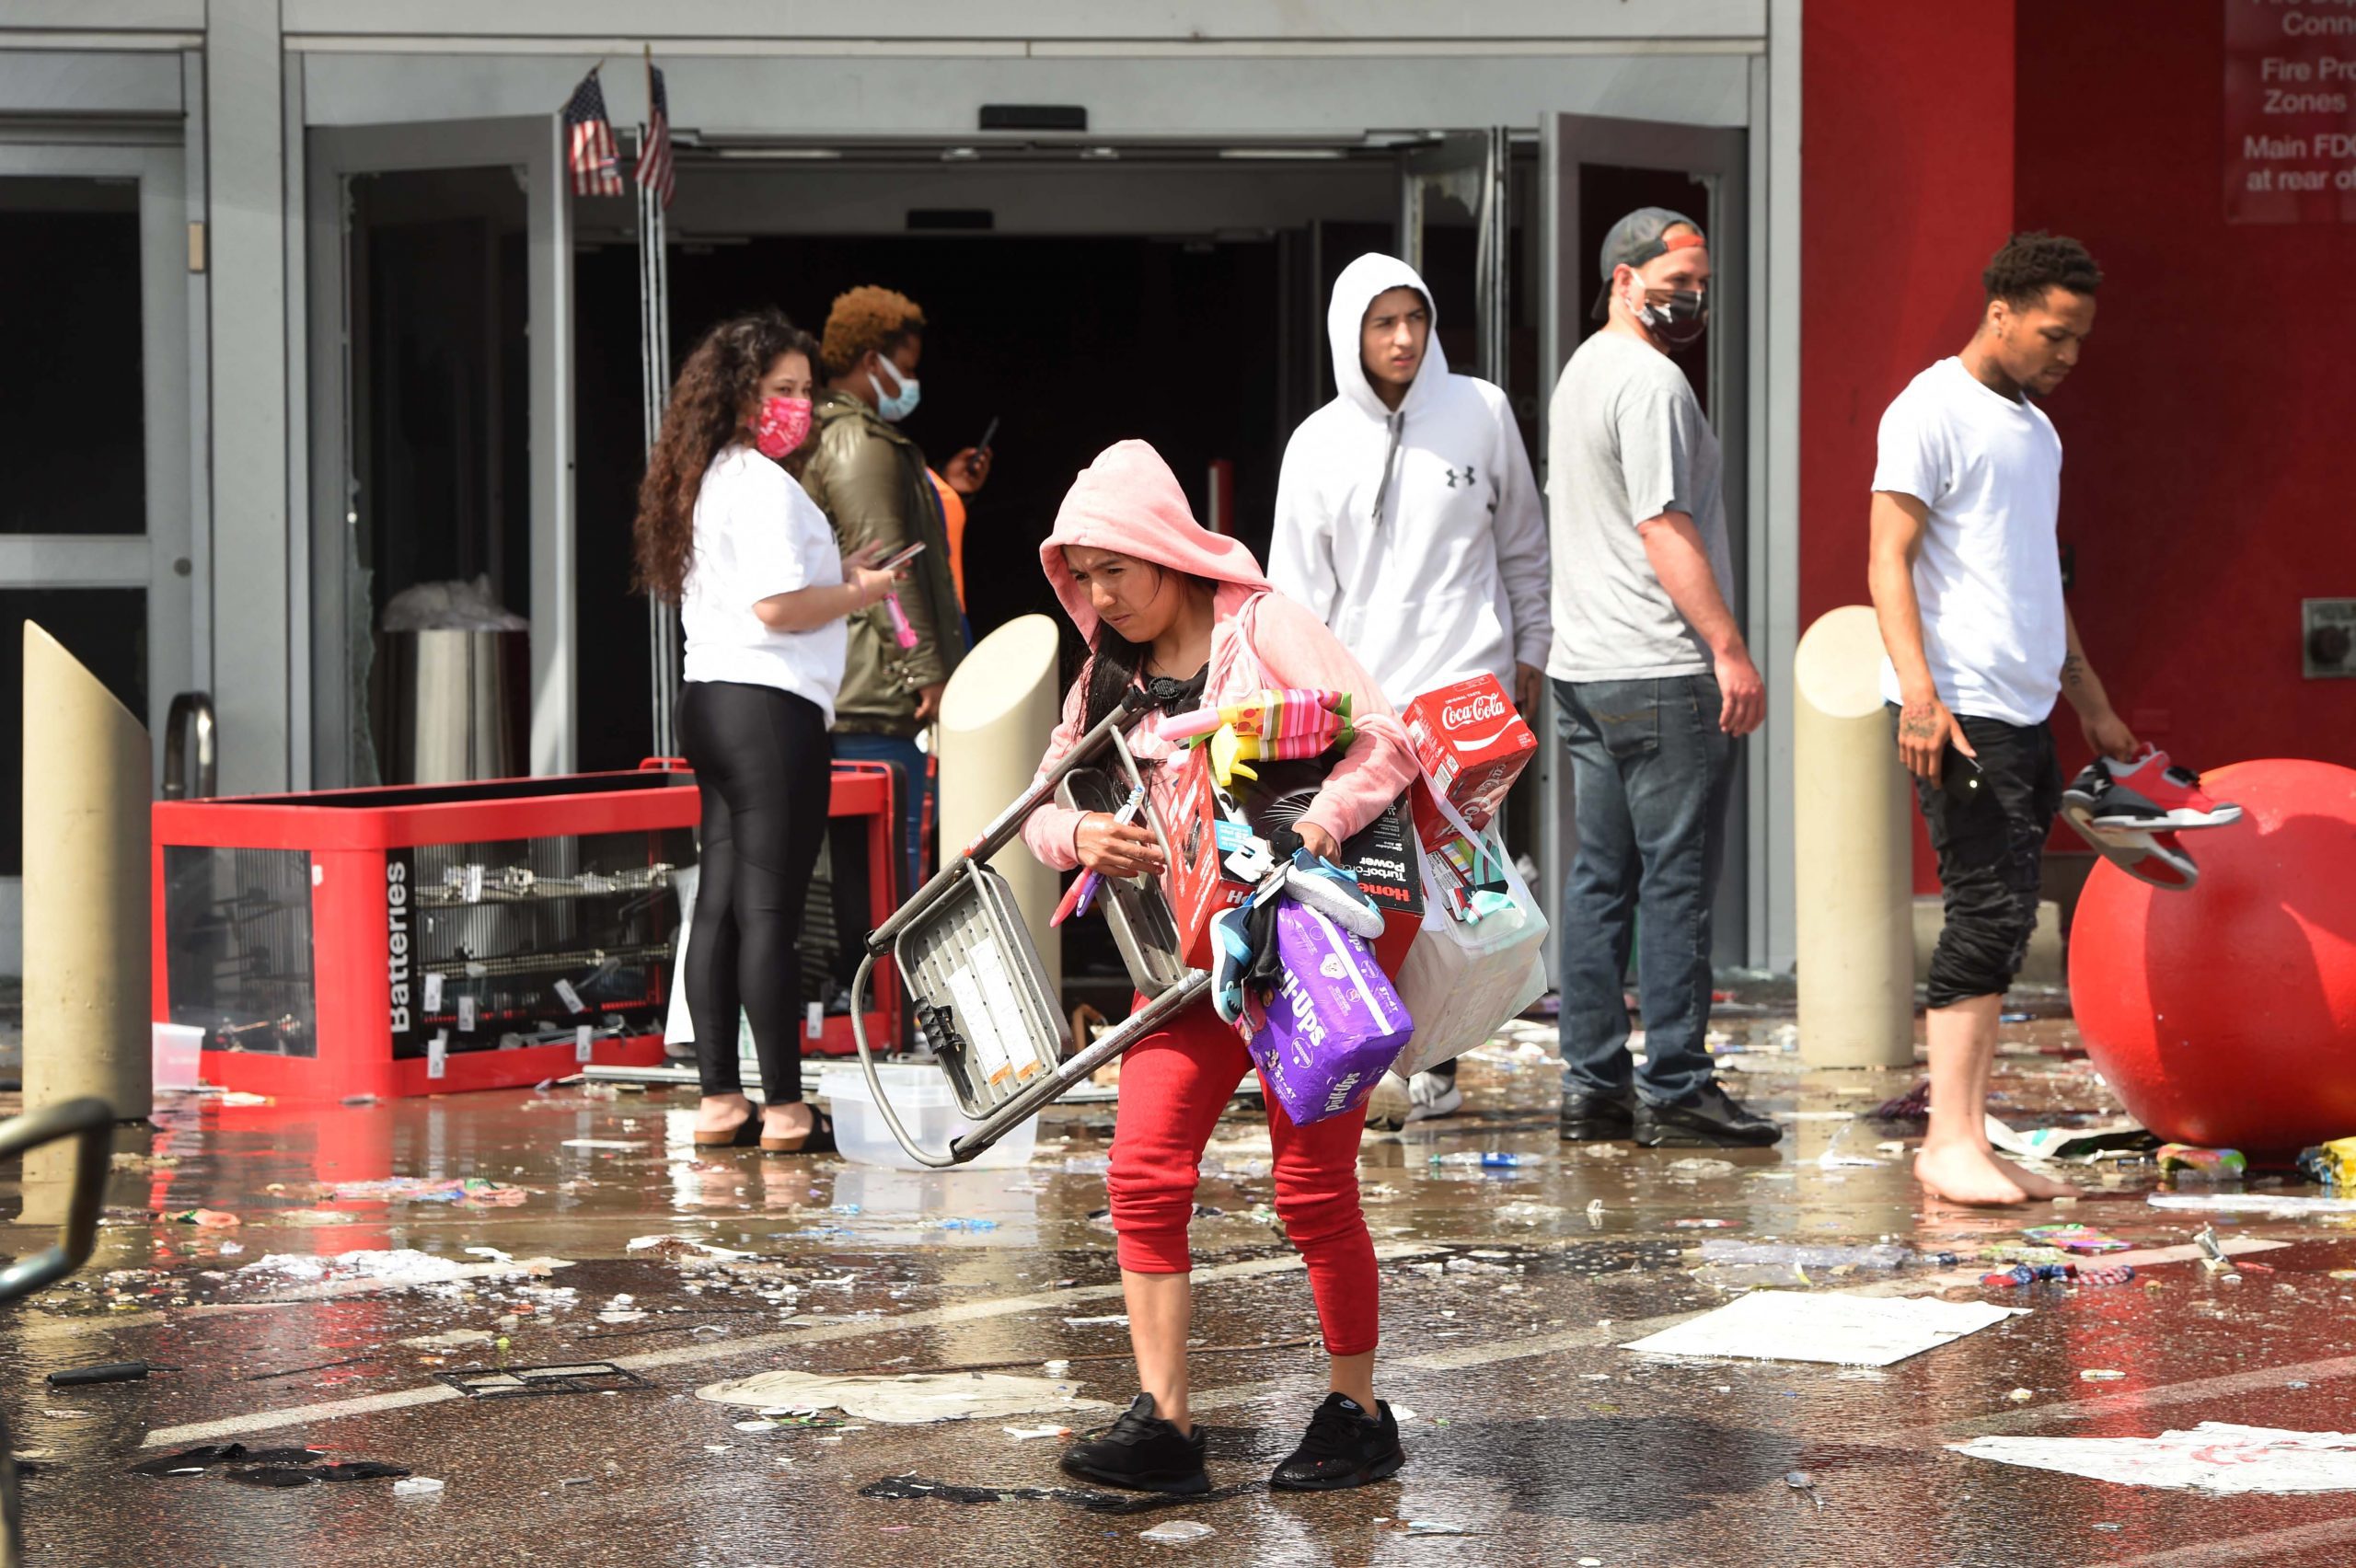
1918	724
2073	670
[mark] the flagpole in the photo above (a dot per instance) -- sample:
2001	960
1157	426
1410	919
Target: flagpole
654	357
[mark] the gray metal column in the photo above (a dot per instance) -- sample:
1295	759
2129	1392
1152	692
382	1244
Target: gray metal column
246	228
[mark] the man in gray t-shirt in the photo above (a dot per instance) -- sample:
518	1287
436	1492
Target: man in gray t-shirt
1654	688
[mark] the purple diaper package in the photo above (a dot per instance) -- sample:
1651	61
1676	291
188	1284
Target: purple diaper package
1334	1026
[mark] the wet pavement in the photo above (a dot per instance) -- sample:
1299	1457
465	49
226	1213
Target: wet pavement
1508	1289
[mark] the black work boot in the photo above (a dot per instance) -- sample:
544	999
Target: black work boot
1142	1452
1594	1116
1345	1448
1707	1118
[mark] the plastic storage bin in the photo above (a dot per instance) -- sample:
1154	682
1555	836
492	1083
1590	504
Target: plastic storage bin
927	1107
178	1049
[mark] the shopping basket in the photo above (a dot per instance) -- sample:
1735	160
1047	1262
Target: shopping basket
973	976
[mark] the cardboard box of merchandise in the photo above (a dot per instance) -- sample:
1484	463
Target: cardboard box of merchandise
1473	745
1380	856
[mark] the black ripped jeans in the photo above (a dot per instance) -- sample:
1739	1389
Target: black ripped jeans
1991	846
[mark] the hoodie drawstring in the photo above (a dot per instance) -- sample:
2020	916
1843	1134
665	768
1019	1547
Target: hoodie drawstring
1398	423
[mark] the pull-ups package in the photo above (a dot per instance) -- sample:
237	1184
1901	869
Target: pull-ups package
1334	1026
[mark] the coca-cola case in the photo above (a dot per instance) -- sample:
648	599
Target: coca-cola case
1473	745
1199	886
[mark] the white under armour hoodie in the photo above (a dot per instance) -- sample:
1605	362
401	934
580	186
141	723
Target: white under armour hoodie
1416	534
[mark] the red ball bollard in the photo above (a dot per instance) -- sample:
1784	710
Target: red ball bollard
2225	1016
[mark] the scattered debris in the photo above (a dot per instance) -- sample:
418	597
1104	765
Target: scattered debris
2272	1206
417	1486
912	1398
2100	1374
2080	1239
469	1192
2208	1162
681	1249
449	1339
2332	1164
108	1372
571	1378
2215	1456
1177	1532
209	1219
1845	1329
1031	1434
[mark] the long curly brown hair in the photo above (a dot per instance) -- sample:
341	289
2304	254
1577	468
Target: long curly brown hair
706	414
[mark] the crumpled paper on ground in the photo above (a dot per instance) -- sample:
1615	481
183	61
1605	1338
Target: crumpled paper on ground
913	1398
2214	1457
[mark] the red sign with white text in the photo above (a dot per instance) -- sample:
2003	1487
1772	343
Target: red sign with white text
2290	111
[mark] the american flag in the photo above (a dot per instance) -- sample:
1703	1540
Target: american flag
589	141
654	169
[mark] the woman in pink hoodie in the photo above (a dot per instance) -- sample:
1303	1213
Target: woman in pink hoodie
1166	605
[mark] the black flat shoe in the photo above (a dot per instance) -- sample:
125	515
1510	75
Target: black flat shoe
1142	1452
1345	1448
744	1134
819	1140
1707	1118
1593	1116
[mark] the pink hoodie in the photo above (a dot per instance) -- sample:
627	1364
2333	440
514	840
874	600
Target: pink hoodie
1129	500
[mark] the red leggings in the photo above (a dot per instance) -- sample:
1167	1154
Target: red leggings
1174	1083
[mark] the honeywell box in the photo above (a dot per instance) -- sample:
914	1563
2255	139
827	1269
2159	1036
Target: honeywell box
1473	745
1200	840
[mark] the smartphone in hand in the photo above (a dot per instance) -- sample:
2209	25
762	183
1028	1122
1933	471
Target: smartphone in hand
1963	779
901	560
990	434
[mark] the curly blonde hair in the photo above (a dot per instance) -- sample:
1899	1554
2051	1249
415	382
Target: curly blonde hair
863	318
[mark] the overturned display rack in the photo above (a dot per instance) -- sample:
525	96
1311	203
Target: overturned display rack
973	975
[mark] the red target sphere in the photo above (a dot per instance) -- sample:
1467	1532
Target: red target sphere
2225	1016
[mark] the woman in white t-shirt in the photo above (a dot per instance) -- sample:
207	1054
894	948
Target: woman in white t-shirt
763	593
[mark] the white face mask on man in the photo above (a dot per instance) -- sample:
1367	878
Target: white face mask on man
901	401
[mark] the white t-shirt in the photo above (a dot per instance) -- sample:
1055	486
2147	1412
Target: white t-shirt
1989	575
758	533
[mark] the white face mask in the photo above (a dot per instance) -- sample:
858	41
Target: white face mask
899	403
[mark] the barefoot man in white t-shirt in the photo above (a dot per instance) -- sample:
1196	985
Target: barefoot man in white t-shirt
1965	573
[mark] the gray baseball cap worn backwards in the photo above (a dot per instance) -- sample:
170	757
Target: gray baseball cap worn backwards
1636	240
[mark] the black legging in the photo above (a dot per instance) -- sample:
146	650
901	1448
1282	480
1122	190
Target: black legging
764	769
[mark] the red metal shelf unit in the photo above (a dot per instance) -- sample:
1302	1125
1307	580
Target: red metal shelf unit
419	940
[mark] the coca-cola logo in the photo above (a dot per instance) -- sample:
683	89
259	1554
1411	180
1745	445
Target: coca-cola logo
1474	710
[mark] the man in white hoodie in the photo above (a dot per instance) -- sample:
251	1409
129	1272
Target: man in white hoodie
1407	518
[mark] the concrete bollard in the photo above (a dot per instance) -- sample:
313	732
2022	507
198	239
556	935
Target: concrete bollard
1001	706
1852	851
86	889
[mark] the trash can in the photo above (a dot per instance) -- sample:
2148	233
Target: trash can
457	703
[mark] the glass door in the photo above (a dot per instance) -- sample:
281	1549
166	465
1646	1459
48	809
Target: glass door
1455	227
95	532
1593	170
441	436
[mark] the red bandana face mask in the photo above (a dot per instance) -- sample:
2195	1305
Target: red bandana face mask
784	425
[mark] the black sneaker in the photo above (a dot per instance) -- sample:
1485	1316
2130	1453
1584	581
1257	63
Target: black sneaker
1594	1116
1142	1452
1707	1118
1345	1448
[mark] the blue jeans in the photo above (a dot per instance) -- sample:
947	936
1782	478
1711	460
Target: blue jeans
911	787
1652	774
